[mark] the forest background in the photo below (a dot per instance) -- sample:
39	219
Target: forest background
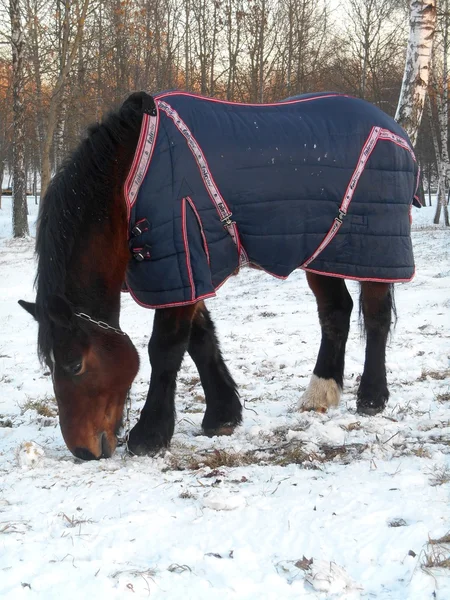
83	57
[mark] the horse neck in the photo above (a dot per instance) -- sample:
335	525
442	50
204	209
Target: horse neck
97	269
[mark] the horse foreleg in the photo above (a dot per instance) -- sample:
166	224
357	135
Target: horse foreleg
223	408
334	306
167	346
376	301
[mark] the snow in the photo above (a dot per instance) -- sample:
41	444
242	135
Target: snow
293	505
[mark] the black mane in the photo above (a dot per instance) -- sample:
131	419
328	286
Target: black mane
78	194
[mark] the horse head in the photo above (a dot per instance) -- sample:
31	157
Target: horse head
92	370
82	248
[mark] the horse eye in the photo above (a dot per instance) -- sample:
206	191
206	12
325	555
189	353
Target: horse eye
75	368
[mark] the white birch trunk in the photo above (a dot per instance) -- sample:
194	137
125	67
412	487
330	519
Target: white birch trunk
19	215
417	66
442	158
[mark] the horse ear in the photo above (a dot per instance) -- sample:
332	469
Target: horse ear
142	101
30	307
60	311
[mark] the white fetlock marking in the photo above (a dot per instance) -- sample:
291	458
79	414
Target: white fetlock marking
320	395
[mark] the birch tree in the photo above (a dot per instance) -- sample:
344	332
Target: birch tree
410	106
19	215
442	157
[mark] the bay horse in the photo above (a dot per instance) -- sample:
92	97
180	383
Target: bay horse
168	196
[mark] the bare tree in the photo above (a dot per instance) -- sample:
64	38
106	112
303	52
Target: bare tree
204	31
19	217
372	39
260	32
303	49
234	16
244	50
68	52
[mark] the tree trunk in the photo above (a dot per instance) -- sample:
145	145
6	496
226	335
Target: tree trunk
33	20
444	162
429	184
19	199
67	59
417	67
2	170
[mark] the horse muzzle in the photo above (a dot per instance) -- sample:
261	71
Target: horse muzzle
103	447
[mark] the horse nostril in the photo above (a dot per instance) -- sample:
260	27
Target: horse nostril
106	448
85	454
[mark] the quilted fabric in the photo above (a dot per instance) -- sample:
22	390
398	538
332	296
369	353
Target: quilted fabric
283	171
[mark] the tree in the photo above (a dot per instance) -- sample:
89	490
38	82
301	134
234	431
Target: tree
417	66
67	53
20	220
441	94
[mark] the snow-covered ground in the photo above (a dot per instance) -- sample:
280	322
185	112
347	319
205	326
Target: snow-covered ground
293	505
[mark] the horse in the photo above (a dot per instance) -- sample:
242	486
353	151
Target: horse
172	194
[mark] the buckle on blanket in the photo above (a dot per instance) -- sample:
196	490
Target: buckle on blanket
140	227
340	217
141	254
226	221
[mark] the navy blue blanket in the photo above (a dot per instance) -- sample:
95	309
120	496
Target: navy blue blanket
322	182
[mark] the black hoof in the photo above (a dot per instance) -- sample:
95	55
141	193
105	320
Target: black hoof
227	429
145	442
371	400
223	420
369	411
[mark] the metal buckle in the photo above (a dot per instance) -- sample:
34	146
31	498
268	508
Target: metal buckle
226	221
341	216
140	227
142	253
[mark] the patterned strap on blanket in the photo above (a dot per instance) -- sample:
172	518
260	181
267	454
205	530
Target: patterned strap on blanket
142	158
211	187
377	133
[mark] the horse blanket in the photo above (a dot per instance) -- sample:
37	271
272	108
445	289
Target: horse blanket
320	182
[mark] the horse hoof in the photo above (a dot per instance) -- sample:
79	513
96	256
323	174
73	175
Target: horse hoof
145	449
372	403
222	422
141	443
320	395
368	410
227	429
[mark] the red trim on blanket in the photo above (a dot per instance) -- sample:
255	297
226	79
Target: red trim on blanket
142	158
390	136
205	243
141	162
188	302
375	279
416	195
218	101
186	248
282	277
173	304
137	154
208	180
366	151
376	134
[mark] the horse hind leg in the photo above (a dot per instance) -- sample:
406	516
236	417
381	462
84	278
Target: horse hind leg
334	306
376	305
223	407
